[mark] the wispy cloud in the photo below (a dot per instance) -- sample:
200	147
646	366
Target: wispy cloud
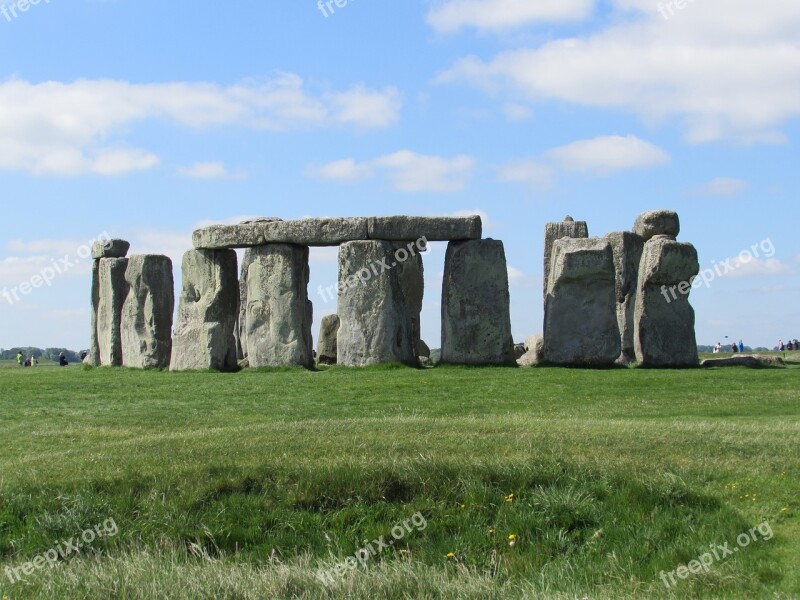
453	15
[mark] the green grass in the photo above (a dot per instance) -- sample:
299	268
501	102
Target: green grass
245	485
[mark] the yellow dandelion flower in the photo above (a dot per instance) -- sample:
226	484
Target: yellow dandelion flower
510	498
784	510
512	538
451	555
491	532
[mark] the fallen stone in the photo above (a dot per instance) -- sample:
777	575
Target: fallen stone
423	350
580	326
519	351
657	222
568	228
327	353
432	229
302	232
627	248
279	313
476	321
113	290
110	249
147	313
534	351
207	312
755	361
664	333
375	321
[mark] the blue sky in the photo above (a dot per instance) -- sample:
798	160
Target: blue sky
147	119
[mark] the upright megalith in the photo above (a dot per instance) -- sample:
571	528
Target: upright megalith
476	318
664	318
240	332
327	349
279	313
568	228
112	292
376	322
580	323
104	248
657	222
411	274
627	248
147	312
207	312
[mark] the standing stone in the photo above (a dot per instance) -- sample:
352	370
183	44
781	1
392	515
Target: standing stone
327	352
147	313
376	324
209	305
664	319
627	248
580	323
476	318
93	357
113	289
279	313
568	228
241	325
411	274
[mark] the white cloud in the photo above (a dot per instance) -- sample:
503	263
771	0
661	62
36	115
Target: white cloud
408	171
599	156
722	186
79	128
517	278
771	267
608	154
516	112
209	170
725	68
453	15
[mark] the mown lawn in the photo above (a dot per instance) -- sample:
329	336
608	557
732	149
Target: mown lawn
534	483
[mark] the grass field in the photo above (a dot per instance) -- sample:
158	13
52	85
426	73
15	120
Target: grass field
531	483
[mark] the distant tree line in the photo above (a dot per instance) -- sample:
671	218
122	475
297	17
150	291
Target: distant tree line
46	354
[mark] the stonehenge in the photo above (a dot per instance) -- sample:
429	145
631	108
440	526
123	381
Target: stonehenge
132	305
614	300
626	294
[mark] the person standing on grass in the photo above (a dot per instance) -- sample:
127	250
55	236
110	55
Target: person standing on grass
62	360
741	346
20	359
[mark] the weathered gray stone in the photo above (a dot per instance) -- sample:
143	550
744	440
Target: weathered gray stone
534	351
302	232
113	289
93	358
279	313
627	248
476	321
568	228
147	312
327	352
432	229
755	361
240	333
657	222
580	324
411	274
110	249
207	313
664	318
423	350
376	325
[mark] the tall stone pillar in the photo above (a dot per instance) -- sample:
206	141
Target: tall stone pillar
147	312
580	324
411	274
113	289
568	228
279	314
327	344
627	248
101	249
476	317
376	324
207	313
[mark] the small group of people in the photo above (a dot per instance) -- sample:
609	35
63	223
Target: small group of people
27	362
791	346
735	348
